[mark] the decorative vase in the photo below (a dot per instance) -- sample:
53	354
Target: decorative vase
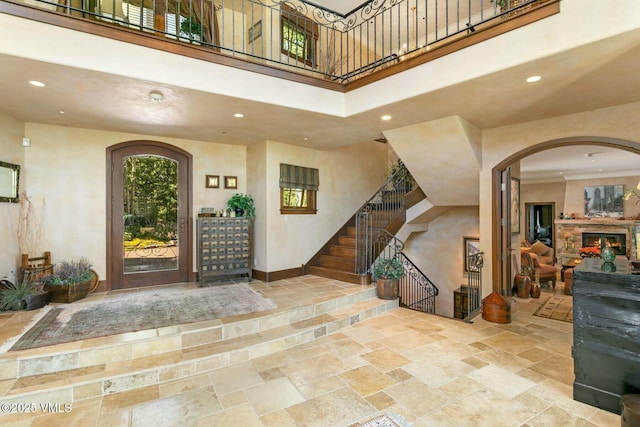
607	254
523	285
535	290
496	309
608	267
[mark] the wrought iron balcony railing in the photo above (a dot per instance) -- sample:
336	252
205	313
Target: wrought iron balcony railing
297	35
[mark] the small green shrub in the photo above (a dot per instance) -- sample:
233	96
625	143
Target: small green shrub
15	296
388	268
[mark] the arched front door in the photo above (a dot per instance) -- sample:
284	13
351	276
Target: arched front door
149	236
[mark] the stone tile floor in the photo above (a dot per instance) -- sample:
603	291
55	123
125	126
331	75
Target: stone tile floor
428	370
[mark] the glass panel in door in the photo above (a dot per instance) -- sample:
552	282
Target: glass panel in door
150	206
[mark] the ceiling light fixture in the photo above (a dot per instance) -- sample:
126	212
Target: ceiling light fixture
386	117
36	83
156	96
238	115
533	79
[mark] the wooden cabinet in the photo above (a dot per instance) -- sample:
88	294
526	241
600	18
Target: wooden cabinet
461	302
224	249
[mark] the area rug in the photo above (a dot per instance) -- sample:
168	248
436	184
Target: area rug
386	420
557	308
140	311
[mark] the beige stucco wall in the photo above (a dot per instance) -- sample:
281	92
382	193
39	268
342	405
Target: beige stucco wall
438	252
11	151
574	198
500	143
348	177
66	179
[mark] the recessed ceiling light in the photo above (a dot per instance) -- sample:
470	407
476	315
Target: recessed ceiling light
156	96
386	117
61	112
36	83
533	79
238	115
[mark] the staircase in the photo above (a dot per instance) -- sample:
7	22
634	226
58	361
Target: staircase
131	363
337	258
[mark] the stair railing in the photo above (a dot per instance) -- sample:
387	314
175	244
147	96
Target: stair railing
416	291
376	214
474	283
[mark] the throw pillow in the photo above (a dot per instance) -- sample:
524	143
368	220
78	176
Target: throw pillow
540	248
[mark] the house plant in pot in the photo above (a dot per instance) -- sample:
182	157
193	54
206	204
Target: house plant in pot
192	28
242	205
71	280
388	272
21	296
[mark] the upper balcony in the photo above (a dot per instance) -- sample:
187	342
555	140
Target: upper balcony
298	37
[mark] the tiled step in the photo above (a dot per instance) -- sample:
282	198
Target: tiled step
67	374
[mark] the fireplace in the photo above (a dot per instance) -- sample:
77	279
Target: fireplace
617	242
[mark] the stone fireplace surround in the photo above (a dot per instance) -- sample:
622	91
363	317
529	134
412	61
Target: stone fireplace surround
569	234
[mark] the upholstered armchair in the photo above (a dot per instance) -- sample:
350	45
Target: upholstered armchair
531	264
546	255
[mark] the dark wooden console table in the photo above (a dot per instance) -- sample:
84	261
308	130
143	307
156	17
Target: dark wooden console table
606	333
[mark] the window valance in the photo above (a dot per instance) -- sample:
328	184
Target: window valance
299	177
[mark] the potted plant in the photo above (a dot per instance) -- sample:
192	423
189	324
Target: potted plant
242	204
70	281
22	295
192	28
388	272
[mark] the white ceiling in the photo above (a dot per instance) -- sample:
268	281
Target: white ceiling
578	162
341	6
574	81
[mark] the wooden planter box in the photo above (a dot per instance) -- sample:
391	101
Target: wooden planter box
68	293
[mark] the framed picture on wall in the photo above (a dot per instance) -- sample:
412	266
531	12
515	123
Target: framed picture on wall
231	182
471	246
515	206
604	201
213	181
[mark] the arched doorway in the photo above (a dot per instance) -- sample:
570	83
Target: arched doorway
500	200
159	251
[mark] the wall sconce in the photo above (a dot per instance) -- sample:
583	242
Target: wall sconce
26	142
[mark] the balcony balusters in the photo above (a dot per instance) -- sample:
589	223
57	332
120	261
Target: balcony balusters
339	48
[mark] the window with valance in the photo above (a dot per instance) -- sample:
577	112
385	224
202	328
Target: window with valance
298	188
